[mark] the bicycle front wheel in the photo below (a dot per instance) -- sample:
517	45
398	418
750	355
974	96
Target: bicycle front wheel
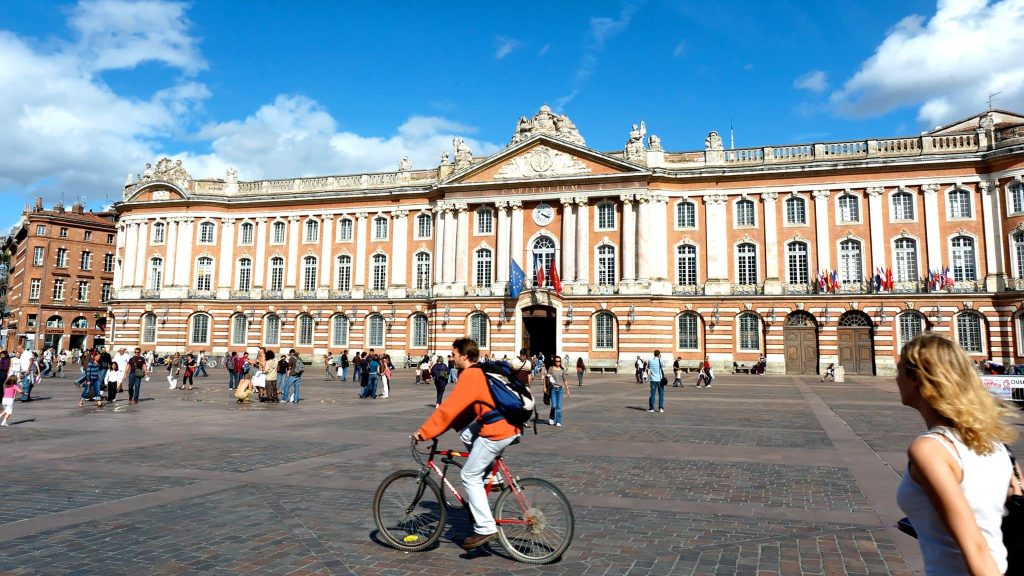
535	521
211	363
409	512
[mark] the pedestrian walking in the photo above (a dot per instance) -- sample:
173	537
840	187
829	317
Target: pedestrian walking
21	364
137	370
5	366
830	372
677	372
201	363
189	367
554	379
439	374
656	372
113	380
330	366
174	371
706	374
11	389
580	369
91	390
294	382
343	366
639	366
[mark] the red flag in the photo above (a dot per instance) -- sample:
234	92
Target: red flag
555	280
889	284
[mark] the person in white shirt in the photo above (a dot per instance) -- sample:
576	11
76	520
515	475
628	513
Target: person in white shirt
121	358
23	365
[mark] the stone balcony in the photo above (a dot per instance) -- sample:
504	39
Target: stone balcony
688	290
201	294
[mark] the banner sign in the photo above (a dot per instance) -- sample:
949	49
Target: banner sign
1005	387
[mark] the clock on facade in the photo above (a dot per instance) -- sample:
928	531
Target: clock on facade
543	214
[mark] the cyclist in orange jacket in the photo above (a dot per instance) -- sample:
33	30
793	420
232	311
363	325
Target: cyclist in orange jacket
463	409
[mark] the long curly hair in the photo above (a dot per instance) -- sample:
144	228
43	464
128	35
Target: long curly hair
950	384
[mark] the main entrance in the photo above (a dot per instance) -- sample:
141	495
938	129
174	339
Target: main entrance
856	347
800	335
539	330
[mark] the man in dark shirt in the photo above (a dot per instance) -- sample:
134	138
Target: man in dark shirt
136	373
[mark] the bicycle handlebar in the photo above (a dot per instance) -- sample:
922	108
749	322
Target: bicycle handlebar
418	455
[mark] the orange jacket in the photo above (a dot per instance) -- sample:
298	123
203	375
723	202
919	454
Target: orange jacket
470	400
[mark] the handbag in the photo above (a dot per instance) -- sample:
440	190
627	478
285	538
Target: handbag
664	379
1013	522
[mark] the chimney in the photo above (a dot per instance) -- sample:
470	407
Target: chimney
77	208
39	205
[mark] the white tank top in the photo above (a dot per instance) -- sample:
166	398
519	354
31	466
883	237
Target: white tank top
986	478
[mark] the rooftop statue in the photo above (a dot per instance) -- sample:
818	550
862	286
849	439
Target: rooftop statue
713	141
167	170
463	155
654	143
635	151
547	122
404	164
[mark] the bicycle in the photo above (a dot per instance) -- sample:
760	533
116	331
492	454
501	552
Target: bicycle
535	520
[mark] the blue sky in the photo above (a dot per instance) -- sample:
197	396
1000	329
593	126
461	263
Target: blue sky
93	90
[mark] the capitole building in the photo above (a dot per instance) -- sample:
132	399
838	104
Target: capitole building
715	252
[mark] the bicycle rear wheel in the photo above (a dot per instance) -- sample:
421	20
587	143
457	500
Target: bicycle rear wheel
409	512
535	521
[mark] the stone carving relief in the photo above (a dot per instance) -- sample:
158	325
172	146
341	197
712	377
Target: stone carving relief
547	122
713	141
463	155
635	151
542	162
166	170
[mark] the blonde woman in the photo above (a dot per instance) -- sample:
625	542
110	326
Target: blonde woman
958	474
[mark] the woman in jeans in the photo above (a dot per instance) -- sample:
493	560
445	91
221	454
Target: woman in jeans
554	379
580	369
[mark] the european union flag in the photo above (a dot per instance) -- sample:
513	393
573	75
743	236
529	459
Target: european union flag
516	280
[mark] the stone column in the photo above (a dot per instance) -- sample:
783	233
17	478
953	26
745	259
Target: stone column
568	271
462	248
326	242
628	238
876	220
822	228
516	246
129	255
657	244
226	264
140	254
931	227
186	238
643	237
582	242
399	250
995	277
359	258
439	232
171	260
450	230
259	273
716	224
503	248
118	256
293	265
772	281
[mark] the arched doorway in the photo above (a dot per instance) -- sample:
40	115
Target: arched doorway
800	335
539	330
856	345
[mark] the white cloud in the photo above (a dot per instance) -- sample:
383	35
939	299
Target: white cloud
946	65
815	81
544	50
505	46
602	29
680	50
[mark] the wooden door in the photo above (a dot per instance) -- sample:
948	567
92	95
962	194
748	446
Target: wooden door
801	345
856	350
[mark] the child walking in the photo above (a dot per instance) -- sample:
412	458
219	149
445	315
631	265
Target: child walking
11	389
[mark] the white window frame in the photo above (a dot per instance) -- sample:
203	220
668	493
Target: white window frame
677	216
742	332
239	329
798	276
848	209
794	200
418	229
35	288
38	256
954	250
961	336
339	330
421	278
62	257
900	273
83	291
147	330
208	276
902	325
1018	322
108	262
599	343
483	266
377	237
343	272
305	330
346	229
894	215
245	274
310	272
479	329
311	231
375	328
547	256
737	256
274	227
211	238
1017	252
379	271
744	201
610	206
156	273
1015	198
483	221
193	325
679	259
86	260
606	267
845	267
105	289
695	318
59	286
272	330
242	229
950	212
419	331
158	234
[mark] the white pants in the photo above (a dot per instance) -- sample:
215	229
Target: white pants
8	404
172	381
482	453
384	389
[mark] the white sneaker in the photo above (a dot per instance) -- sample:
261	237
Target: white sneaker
650	410
3	424
551	422
559	424
661	409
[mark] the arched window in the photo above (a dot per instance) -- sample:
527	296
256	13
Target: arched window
305	335
149	328
796	210
910	324
339	330
606	216
543	256
849	208
796	263
959	203
687	325
964	265
686	214
1020	334
906	260
380	272
424	226
345	230
200	333
156	273
421	272
380	228
902	206
745	213
478	329
1016	198
850	267
246	233
277	273
278	232
245	274
484	268
606	265
375	331
312	231
206	232
968	332
746	263
484	220
686	265
344	281
239	329
1018	250
309	272
159	232
749	332
55	322
271	330
604	331
204	273
79	322
419	331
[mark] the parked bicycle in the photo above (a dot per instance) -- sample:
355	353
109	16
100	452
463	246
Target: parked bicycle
535	521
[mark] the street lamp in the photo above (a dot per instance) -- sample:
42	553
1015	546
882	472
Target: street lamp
631	315
568	315
447	314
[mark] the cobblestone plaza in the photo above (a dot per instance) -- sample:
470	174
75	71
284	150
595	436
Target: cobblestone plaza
756	475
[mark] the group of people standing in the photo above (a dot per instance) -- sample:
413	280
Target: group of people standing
261	375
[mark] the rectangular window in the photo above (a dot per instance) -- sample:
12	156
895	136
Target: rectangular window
58	289
797	263
247	233
688	332
88	235
606	216
484	221
272	331
34	289
277	233
305	331
108	262
959	204
62	257
380	228
746	264
110	238
86	260
906	260
38	256
63	232
339	331
849	208
345	230
276	275
200	329
41	231
423	226
344	273
606	266
745	213
968	332
750	339
380	272
105	292
83	291
796	211
686	265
